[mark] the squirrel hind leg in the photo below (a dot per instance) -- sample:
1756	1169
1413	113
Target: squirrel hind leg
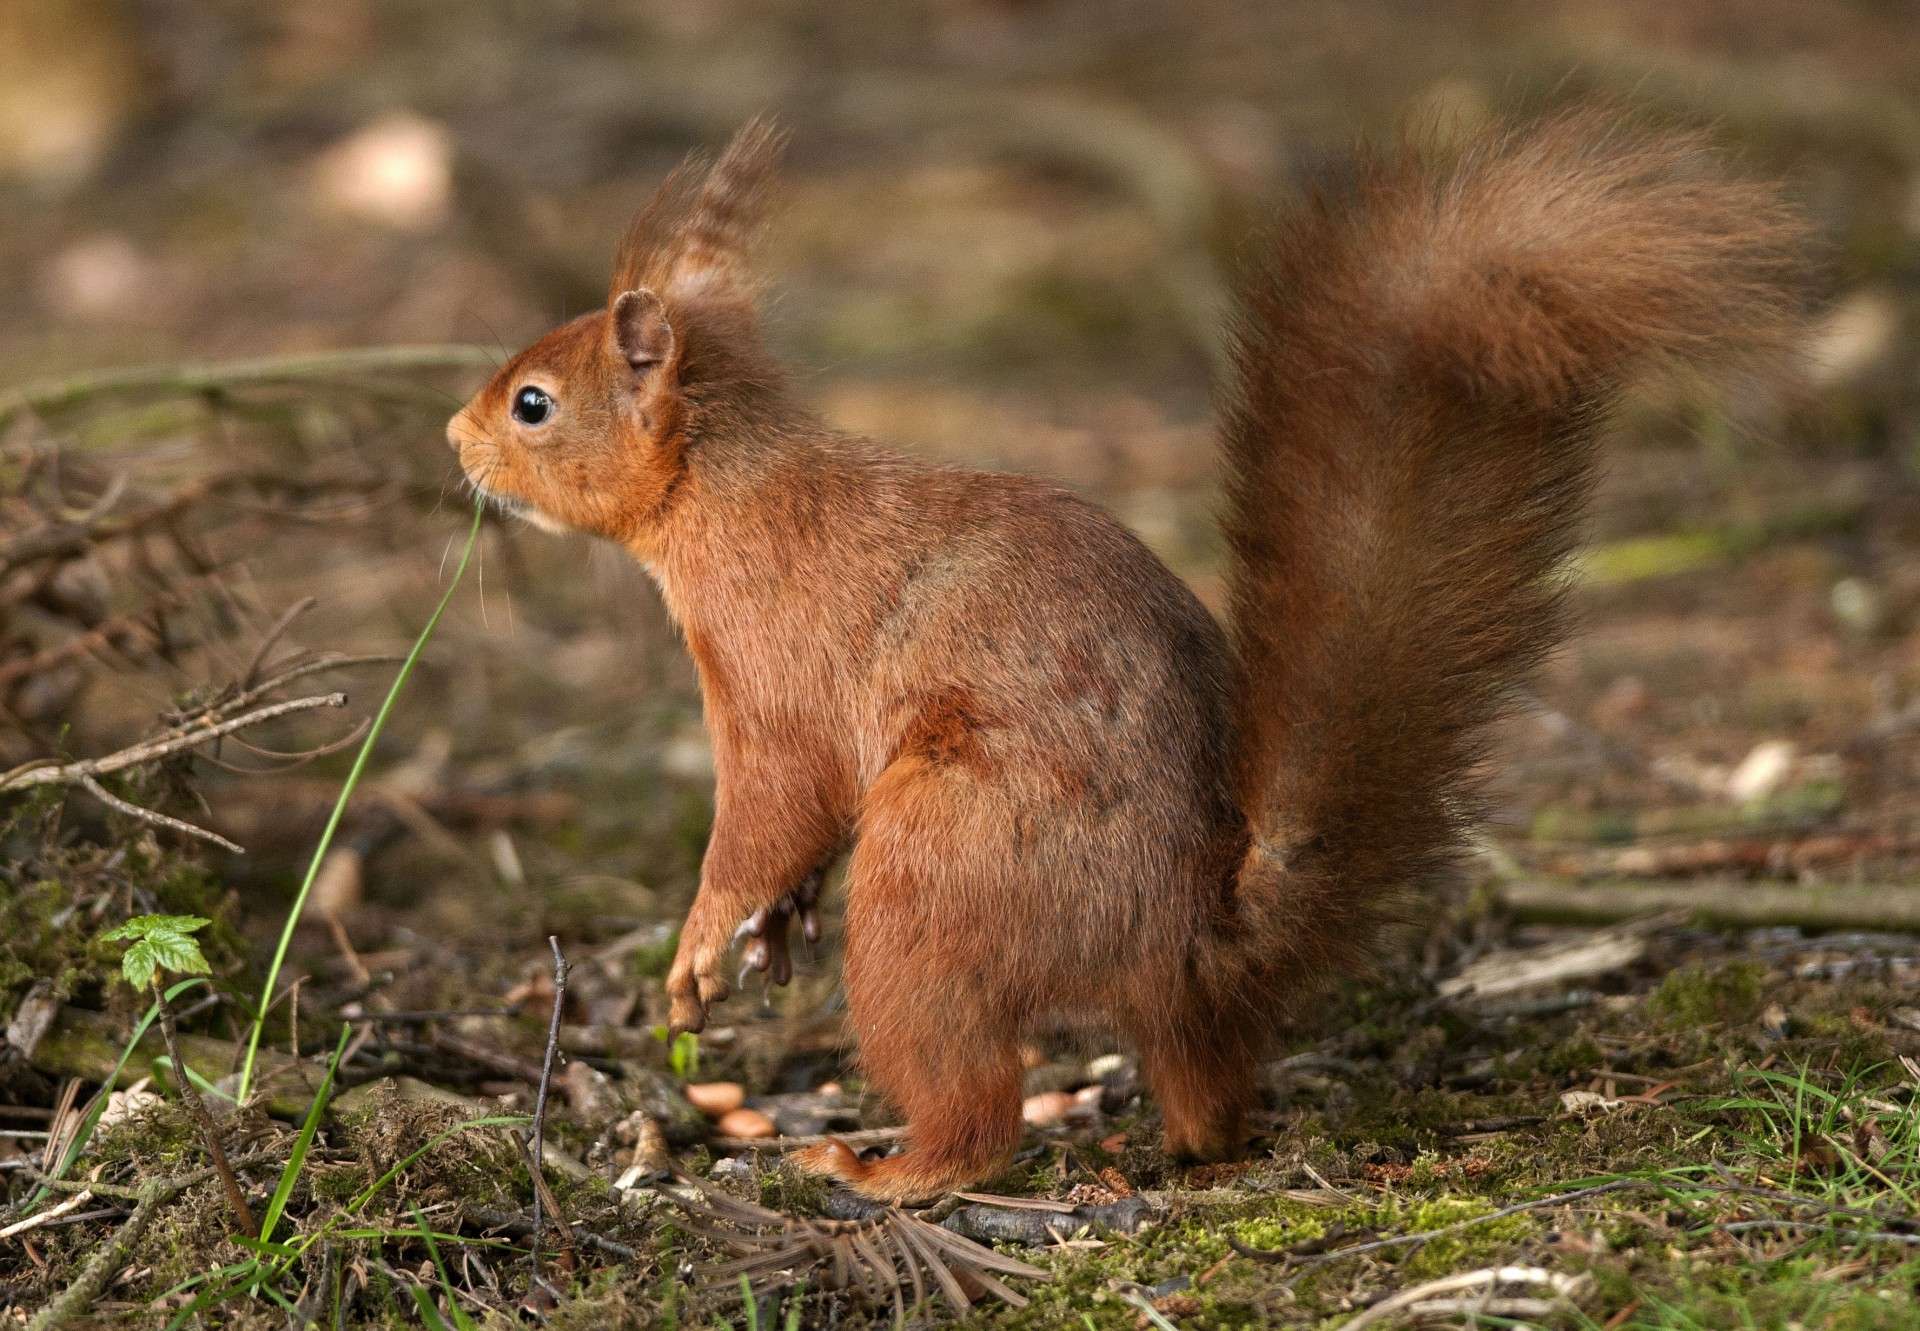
1204	1083
963	1122
949	1061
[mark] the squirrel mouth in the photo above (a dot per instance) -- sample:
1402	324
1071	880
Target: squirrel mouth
517	508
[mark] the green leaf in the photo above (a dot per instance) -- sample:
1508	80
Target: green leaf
139	964
178	953
143	926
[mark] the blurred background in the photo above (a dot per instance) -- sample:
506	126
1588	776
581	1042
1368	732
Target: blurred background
1009	231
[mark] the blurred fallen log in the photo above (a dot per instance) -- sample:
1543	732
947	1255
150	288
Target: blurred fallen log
1512	970
1751	855
87	1045
1838	907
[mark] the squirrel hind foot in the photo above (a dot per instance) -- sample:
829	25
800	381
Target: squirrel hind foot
911	1176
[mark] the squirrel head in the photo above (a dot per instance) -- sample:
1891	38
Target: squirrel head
588	429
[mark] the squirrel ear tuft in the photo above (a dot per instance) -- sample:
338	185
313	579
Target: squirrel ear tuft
714	242
639	330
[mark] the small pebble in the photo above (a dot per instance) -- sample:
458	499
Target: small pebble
730	1167
1047	1108
746	1123
715	1098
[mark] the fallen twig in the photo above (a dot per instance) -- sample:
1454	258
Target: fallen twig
513	1223
560	969
189	378
86	772
47	772
859	1141
46	1217
1488	1279
78	1298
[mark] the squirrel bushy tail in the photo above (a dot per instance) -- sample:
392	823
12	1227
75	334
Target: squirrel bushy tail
1422	368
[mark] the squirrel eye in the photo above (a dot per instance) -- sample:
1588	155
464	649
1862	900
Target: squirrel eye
531	406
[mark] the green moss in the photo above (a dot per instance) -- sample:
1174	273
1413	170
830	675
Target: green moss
1696	995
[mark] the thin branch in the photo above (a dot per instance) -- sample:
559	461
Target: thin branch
301	671
76	1299
190	378
560	969
145	815
272	635
44	772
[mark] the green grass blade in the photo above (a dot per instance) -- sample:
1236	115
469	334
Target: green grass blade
304	1142
262	1246
428	1313
340	804
251	1274
460	1318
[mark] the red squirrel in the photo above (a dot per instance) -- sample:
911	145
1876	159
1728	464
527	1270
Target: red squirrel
1068	795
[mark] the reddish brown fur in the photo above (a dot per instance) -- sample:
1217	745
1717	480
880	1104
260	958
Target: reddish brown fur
1069	797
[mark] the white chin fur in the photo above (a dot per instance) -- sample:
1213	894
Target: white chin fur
521	509
542	521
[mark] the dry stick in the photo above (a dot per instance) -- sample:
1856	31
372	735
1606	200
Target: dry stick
542	1193
560	969
72	1203
145	815
46	772
1490	1278
43	772
272	635
76	1299
190	378
191	1094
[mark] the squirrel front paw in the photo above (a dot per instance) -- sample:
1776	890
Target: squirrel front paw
765	931
693	985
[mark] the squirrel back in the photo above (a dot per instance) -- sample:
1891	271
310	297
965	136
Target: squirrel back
1422	370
